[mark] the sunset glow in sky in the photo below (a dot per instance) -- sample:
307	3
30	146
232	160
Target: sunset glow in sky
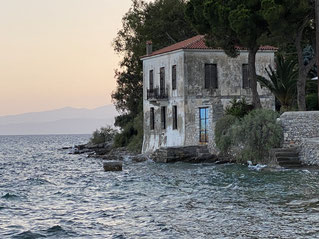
57	53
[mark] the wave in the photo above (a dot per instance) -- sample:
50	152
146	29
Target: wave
38	181
10	196
28	235
55	229
58	231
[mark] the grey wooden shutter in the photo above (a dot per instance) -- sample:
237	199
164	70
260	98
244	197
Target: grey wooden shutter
207	76
174	77
246	83
151	80
214	79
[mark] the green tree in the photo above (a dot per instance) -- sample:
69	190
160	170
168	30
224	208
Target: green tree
163	22
229	24
290	21
282	81
102	135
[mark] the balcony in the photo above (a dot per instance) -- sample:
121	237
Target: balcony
157	94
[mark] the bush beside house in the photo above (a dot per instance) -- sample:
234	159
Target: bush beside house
249	138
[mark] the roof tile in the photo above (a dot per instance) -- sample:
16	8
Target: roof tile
197	42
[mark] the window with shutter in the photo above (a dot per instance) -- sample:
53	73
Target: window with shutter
246	82
162	81
211	80
163	117
174	117
152	119
174	77
151	80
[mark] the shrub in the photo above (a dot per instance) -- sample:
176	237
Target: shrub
223	134
238	108
136	142
312	101
102	135
132	135
256	134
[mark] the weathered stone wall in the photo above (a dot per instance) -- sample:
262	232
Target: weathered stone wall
169	137
309	153
299	125
301	129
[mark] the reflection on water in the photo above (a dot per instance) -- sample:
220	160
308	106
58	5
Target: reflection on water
46	193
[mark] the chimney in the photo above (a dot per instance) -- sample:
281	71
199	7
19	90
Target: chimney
149	48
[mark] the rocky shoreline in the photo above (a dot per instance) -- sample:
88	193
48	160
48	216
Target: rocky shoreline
105	151
113	157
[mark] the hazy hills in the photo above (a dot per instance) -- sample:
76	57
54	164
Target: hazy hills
60	121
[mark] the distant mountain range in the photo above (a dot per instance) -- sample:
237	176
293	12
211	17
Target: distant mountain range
60	121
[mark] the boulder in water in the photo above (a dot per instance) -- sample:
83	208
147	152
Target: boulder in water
112	166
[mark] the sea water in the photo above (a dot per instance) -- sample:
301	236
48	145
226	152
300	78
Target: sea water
47	193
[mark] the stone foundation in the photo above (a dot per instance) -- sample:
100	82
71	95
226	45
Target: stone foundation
191	154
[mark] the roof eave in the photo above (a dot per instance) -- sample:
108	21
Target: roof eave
199	50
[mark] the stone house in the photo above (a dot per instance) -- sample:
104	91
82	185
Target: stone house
186	87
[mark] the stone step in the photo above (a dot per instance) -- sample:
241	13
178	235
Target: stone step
292	166
284	150
286	154
288	159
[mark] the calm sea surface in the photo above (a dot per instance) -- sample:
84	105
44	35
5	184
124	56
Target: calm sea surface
47	193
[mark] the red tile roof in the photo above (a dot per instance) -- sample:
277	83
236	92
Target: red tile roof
197	42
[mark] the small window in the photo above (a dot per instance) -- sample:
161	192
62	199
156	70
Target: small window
152	119
151	80
163	117
211	81
174	117
162	81
203	125
174	77
246	81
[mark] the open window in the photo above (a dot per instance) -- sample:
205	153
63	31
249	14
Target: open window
203	125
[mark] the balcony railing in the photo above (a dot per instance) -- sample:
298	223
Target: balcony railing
157	94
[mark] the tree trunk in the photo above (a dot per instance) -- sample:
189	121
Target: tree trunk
301	90
252	76
303	70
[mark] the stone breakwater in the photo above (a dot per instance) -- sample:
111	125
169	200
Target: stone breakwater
301	129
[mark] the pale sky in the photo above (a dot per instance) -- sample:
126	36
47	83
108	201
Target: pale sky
57	53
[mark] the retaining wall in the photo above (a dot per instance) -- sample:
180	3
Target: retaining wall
301	129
